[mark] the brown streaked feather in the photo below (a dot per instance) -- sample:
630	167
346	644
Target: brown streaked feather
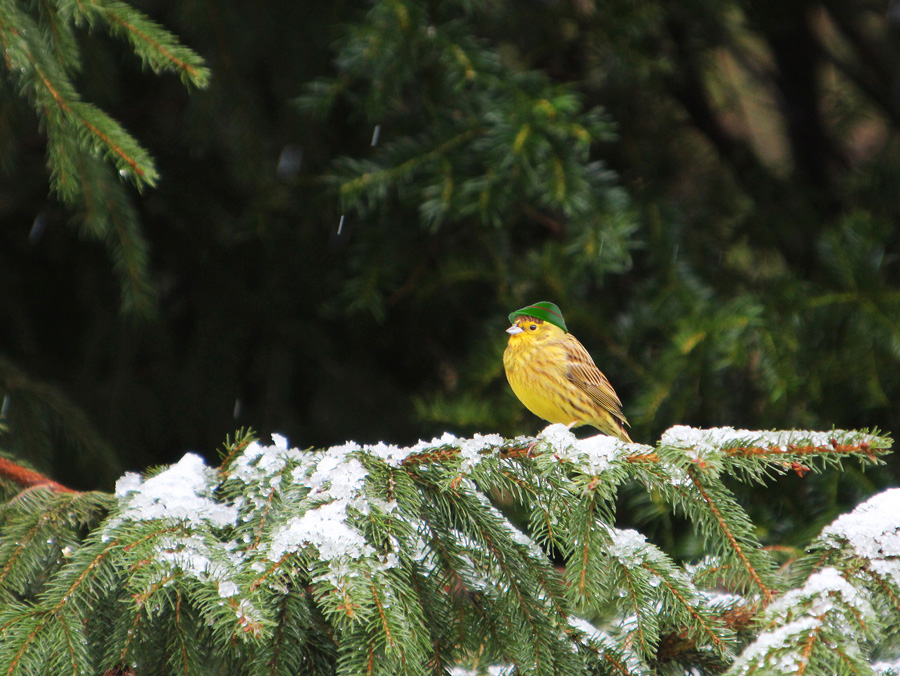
584	374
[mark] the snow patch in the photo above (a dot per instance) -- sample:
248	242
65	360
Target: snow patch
887	668
826	598
183	492
701	441
872	529
823	590
492	670
597	452
337	474
768	642
471	450
325	528
594	455
591	633
628	546
558	436
258	461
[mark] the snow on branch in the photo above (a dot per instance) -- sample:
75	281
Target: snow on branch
830	623
376	558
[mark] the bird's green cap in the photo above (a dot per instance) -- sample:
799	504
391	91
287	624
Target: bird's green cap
545	310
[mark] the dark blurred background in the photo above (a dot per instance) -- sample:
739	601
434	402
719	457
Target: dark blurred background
347	213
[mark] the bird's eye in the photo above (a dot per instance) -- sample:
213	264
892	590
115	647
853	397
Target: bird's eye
533	327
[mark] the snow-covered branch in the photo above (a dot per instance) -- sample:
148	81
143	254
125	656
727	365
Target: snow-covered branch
375	558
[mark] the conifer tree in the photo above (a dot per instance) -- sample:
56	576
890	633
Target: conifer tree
377	559
714	285
88	152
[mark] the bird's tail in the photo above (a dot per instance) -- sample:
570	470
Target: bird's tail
613	427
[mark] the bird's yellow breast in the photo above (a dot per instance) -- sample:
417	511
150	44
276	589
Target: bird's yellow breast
532	372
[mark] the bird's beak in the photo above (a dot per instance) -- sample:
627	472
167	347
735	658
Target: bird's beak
514	329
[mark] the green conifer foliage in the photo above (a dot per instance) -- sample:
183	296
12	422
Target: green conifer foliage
377	559
480	152
86	148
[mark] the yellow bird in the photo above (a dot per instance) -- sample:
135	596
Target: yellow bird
555	377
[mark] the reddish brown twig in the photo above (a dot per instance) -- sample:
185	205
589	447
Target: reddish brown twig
28	478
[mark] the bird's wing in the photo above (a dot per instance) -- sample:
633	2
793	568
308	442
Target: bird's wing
585	375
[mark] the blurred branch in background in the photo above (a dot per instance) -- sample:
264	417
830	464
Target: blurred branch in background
42	58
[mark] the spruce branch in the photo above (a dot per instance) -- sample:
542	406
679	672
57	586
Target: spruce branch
681	593
107	214
44	424
372	176
378	559
487	146
41	56
717	505
28	478
804	628
62	110
156	46
41	528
